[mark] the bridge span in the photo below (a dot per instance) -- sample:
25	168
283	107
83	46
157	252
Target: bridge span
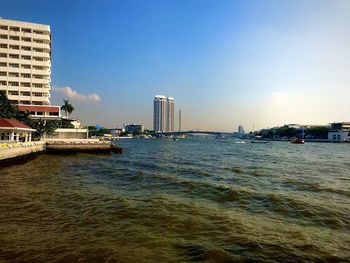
216	133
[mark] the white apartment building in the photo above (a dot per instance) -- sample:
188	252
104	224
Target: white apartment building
25	67
170	114
163	114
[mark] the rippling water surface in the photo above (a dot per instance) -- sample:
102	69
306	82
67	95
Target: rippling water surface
172	201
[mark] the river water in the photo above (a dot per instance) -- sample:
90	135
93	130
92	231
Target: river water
190	200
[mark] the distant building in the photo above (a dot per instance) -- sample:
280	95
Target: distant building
339	131
163	114
117	131
77	132
134	128
170	114
25	67
241	130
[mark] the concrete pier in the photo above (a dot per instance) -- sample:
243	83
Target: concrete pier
11	151
81	146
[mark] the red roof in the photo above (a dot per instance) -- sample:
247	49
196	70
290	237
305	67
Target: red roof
12	123
39	108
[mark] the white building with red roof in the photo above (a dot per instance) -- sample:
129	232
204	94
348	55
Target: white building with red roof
12	131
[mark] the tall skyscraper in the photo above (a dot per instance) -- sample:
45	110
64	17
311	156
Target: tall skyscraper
170	114
25	67
163	114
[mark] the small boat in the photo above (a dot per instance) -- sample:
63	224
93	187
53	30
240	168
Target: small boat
295	140
175	139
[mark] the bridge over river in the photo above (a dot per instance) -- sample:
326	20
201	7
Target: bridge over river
215	133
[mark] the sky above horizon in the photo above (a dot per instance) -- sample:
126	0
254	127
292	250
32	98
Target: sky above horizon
226	63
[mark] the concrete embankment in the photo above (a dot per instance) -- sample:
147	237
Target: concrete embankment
81	146
13	151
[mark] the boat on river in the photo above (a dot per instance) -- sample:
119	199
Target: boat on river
295	140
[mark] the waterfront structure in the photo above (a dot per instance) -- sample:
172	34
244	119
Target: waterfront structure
117	131
163	114
13	131
241	130
25	67
134	128
339	131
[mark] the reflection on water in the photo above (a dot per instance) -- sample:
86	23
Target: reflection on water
188	200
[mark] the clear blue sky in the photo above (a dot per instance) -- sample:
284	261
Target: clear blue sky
225	62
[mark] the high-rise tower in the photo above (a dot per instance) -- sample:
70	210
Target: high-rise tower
25	67
163	114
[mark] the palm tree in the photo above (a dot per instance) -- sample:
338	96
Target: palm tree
67	108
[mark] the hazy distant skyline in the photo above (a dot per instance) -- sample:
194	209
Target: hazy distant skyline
225	63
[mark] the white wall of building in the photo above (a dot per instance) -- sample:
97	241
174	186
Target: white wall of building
25	62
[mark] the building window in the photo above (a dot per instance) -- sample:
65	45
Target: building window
27	76
3	55
4	28
37	94
338	136
2	73
26	30
14	47
2	83
38	41
38	49
25	84
38	59
13	74
3	45
3	36
25	66
25	93
14	38
12	65
16	29
3	64
14	93
26	48
38	67
37	85
13	84
26	102
14	56
26	39
25	57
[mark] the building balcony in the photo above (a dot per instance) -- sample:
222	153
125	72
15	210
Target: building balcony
15	79
45	72
41	63
29	89
26	52
13	97
41	81
13	51
40	45
40	54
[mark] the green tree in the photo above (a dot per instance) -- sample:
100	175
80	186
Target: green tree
67	108
7	110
